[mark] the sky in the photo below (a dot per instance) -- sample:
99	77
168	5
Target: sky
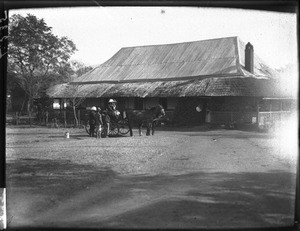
99	32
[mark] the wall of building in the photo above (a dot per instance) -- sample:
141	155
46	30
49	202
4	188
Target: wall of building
172	103
185	112
150	102
129	103
92	102
215	110
225	110
181	110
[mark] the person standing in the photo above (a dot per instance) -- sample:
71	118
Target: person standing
106	122
99	123
92	121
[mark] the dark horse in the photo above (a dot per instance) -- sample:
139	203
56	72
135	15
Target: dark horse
148	117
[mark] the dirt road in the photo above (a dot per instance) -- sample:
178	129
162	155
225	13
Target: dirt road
175	179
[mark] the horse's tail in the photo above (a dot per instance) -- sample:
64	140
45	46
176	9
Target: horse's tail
127	117
155	119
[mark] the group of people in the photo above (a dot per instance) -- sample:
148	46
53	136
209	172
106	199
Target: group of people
98	118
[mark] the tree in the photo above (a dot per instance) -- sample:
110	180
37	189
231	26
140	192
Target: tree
79	68
37	57
73	90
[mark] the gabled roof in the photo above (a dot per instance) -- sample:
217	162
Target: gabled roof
223	57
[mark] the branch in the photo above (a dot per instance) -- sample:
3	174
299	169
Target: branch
21	61
47	69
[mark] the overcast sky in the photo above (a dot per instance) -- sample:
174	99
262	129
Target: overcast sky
99	32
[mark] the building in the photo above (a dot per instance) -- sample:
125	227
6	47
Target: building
223	76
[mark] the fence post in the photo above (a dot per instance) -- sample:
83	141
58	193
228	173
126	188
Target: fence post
17	118
65	118
280	114
78	116
47	118
30	118
257	115
271	117
55	124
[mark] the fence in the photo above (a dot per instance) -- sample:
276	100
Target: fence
264	120
61	118
270	118
65	117
20	119
225	117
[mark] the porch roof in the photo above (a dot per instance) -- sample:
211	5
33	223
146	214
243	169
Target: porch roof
216	86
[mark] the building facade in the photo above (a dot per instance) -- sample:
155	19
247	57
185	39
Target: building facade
223	77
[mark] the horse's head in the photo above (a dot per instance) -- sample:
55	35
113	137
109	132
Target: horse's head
160	111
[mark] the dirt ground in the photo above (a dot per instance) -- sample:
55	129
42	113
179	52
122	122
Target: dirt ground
187	178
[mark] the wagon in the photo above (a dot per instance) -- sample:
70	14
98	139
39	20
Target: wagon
118	127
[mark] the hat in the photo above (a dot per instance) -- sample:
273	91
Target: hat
112	101
94	108
198	109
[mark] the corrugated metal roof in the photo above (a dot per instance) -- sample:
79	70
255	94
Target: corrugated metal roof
261	69
204	68
208	57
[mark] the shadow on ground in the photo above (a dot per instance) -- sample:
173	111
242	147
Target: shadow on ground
233	136
57	193
82	136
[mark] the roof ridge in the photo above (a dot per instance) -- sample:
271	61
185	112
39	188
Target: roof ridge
163	44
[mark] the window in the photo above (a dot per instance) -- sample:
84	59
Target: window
60	103
56	104
138	103
164	103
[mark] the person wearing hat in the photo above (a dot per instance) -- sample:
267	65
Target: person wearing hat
111	113
112	109
92	121
112	104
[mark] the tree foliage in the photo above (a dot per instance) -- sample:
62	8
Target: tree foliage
37	58
79	68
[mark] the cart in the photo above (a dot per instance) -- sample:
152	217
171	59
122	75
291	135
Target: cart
121	127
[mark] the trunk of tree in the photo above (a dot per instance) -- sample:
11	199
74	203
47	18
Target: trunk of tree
65	117
29	109
22	106
75	116
47	117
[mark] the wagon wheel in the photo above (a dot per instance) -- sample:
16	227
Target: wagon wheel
123	127
87	128
113	130
104	132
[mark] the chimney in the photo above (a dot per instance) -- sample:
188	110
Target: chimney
249	58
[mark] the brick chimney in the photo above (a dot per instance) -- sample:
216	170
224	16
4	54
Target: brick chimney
249	58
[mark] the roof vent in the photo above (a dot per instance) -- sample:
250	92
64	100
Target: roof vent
249	58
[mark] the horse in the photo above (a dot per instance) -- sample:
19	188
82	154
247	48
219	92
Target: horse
149	117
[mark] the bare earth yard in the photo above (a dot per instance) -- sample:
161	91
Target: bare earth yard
175	179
